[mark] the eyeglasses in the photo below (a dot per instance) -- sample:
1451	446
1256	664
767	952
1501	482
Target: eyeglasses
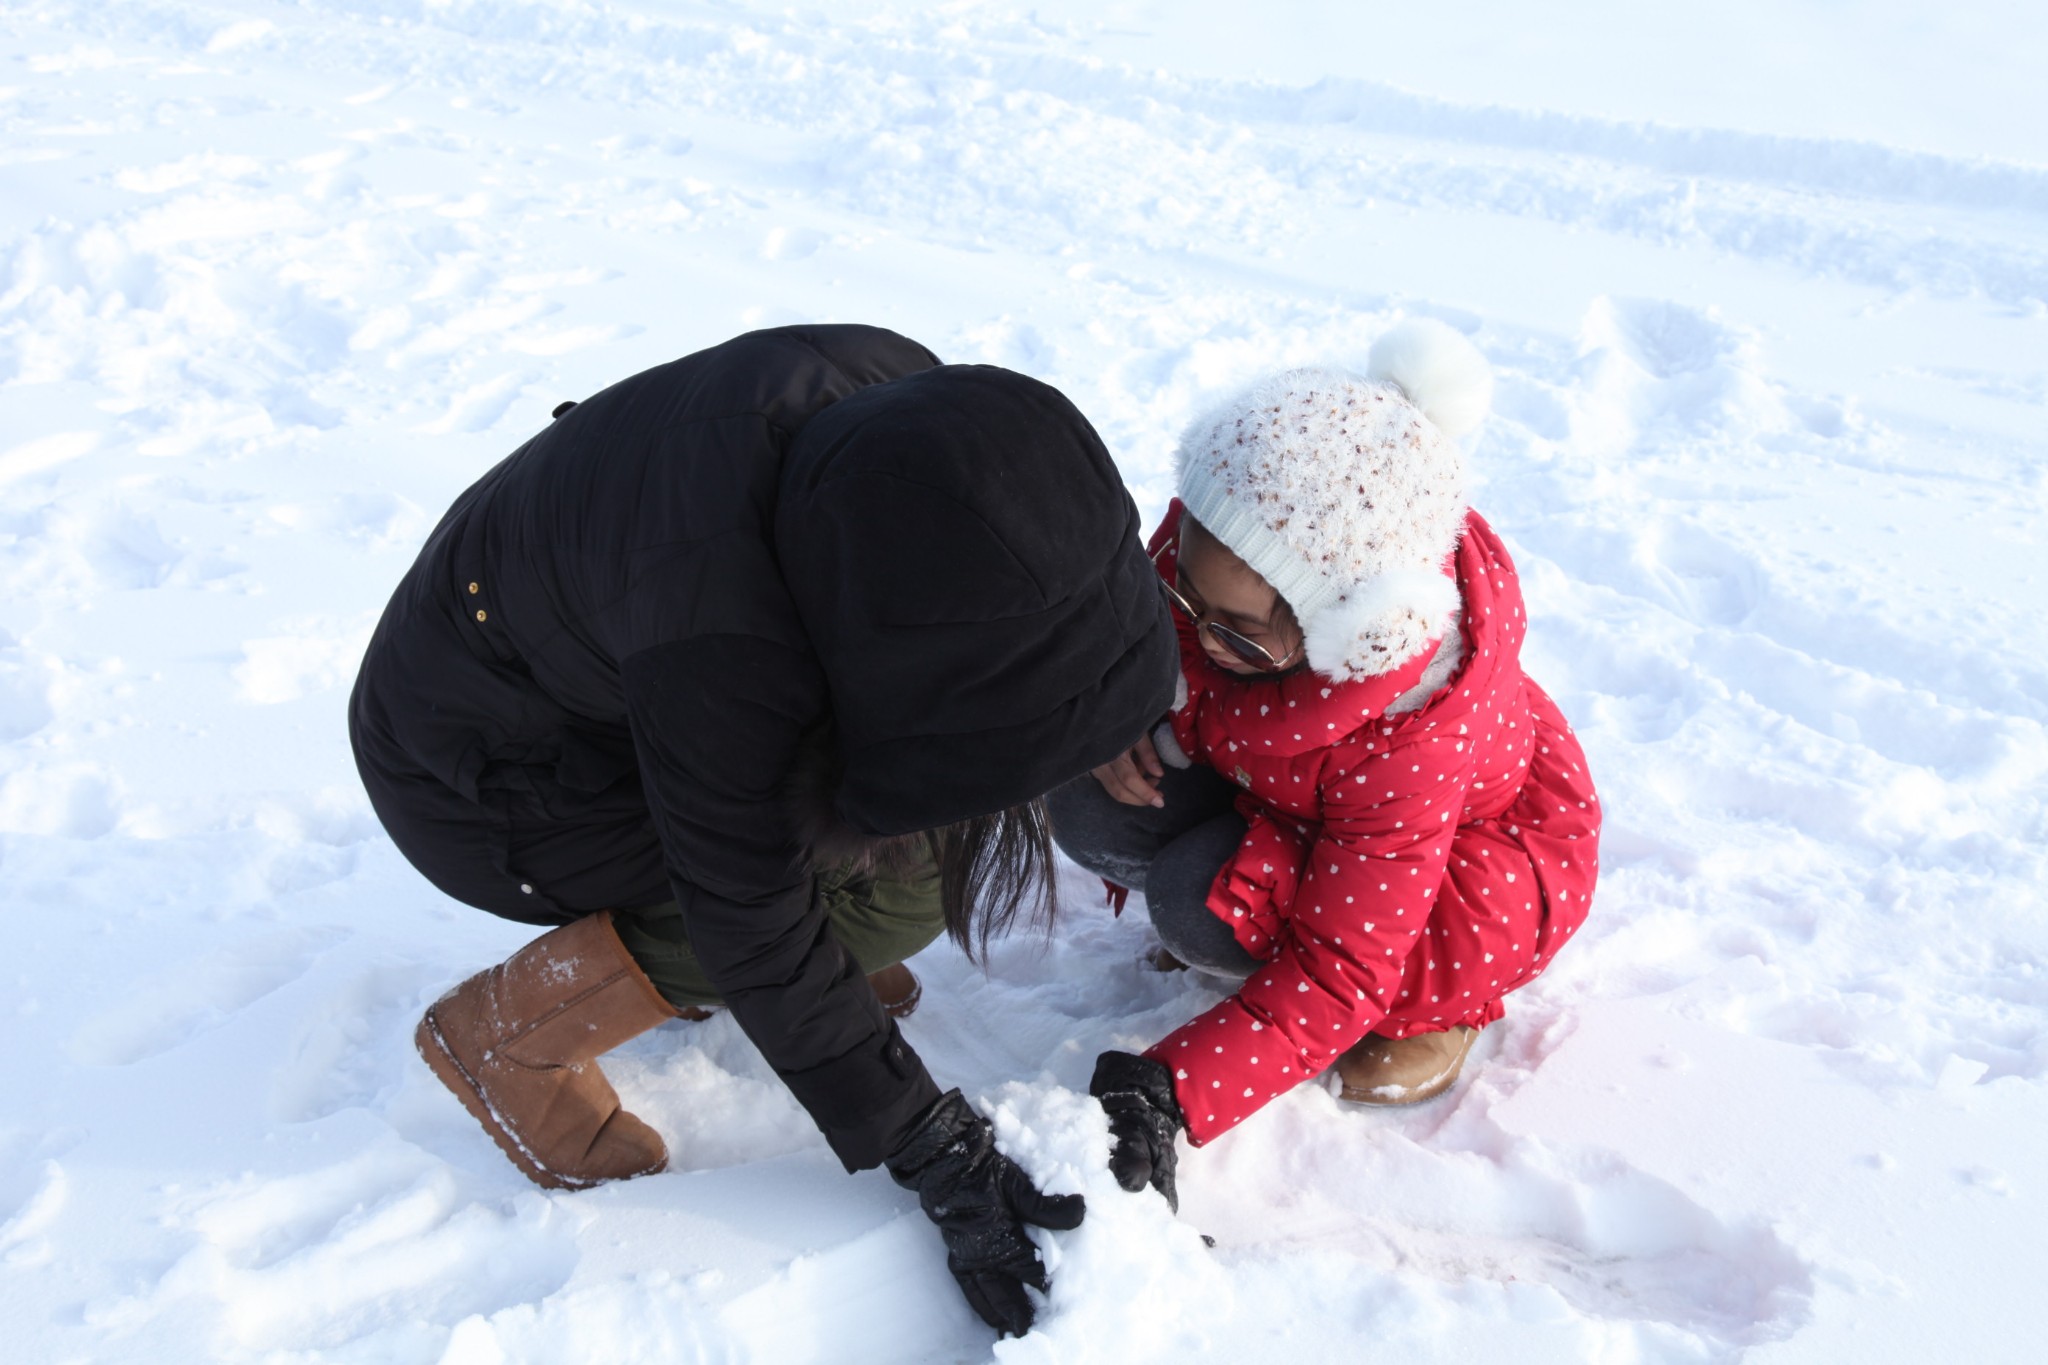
1244	647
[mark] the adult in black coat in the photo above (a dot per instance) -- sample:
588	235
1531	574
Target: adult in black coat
802	593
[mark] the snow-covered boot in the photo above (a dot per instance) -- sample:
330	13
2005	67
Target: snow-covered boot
516	1044
1404	1070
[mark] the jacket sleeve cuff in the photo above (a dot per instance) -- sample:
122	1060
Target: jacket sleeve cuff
1226	1066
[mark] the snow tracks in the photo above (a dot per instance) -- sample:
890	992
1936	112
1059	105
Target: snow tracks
276	281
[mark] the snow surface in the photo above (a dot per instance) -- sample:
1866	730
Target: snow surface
1765	283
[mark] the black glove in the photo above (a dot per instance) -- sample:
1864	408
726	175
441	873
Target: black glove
981	1199
1137	1094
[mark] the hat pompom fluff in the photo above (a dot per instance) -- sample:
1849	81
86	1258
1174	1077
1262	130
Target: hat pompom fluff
1440	371
1380	625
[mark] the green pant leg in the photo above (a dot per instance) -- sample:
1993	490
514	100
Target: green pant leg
661	946
879	918
882	918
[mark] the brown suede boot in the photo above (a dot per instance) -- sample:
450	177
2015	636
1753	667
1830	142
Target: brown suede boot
515	1043
1404	1070
1160	958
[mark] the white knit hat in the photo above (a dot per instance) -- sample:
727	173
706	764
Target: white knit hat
1347	493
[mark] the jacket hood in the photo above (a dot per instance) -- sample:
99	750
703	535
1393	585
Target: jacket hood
967	565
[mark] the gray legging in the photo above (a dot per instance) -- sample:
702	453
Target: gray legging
1169	853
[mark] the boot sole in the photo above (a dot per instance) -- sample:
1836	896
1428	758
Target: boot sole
441	1060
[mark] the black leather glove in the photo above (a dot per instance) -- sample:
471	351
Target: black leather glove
1144	1118
981	1200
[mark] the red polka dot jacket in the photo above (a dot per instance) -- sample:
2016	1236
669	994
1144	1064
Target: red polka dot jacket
1401	873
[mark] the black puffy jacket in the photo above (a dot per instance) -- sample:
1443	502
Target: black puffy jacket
593	688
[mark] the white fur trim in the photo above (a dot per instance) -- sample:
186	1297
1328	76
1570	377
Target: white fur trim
1380	625
1440	370
1443	666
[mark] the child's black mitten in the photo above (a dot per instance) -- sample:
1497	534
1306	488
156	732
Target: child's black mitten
1137	1094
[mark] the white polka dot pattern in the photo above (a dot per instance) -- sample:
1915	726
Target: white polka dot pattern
1400	874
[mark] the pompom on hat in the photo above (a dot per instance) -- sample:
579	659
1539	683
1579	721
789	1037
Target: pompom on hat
1347	492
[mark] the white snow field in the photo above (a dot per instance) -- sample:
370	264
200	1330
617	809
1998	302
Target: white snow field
1765	283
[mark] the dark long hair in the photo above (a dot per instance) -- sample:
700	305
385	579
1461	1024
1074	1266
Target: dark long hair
994	869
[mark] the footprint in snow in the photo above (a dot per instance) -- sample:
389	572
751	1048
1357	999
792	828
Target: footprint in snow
312	655
480	406
22	1226
191	999
1647	364
24	692
63	800
111	548
353	1045
791	243
1703	578
1441	1202
359	1254
378	520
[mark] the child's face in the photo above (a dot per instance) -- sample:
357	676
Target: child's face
1228	590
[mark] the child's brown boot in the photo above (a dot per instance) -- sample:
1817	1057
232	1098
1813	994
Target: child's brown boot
516	1044
1404	1070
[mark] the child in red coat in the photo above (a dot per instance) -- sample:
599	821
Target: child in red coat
1360	805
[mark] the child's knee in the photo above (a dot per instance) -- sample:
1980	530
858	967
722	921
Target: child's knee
1177	893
